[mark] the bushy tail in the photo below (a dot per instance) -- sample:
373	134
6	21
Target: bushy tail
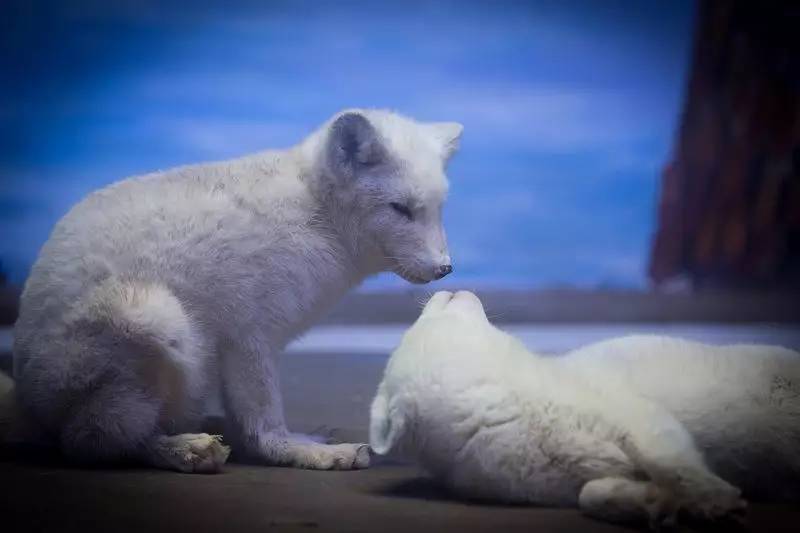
153	339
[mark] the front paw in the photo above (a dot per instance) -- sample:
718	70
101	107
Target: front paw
333	457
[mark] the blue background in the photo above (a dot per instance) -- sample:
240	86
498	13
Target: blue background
570	110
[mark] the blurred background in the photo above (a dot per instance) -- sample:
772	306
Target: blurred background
627	166
622	162
570	110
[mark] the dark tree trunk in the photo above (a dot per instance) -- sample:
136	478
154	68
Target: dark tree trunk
729	212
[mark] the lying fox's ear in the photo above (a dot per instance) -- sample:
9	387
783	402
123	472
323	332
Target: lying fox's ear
448	134
353	143
386	424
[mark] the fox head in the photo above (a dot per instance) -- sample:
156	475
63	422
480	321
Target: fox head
383	181
451	329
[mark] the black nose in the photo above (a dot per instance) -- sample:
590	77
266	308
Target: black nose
443	270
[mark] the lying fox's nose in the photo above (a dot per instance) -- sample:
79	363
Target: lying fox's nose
442	271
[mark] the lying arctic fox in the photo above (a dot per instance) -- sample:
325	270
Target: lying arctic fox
155	291
611	427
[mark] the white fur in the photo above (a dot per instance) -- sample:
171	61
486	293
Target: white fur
610	427
158	290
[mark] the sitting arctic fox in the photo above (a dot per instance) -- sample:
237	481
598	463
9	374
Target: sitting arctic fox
157	290
613	428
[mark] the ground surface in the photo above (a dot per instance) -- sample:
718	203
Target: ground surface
328	380
47	496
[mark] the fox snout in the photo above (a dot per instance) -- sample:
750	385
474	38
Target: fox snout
442	270
424	274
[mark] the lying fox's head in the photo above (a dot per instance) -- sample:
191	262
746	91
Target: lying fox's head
451	332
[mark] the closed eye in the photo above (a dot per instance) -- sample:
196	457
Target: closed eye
402	209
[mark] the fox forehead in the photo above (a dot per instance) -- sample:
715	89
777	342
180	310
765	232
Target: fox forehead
427	189
419	160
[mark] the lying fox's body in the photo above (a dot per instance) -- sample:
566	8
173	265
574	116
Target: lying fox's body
740	403
613	427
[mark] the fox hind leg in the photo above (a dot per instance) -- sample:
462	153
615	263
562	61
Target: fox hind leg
624	500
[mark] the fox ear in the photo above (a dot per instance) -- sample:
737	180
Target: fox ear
353	144
386	425
449	136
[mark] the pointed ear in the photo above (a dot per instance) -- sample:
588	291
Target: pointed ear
353	143
386	425
449	136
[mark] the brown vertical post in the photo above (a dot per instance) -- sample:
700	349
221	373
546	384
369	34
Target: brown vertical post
729	210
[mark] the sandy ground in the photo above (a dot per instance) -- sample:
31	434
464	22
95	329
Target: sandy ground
326	390
43	495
